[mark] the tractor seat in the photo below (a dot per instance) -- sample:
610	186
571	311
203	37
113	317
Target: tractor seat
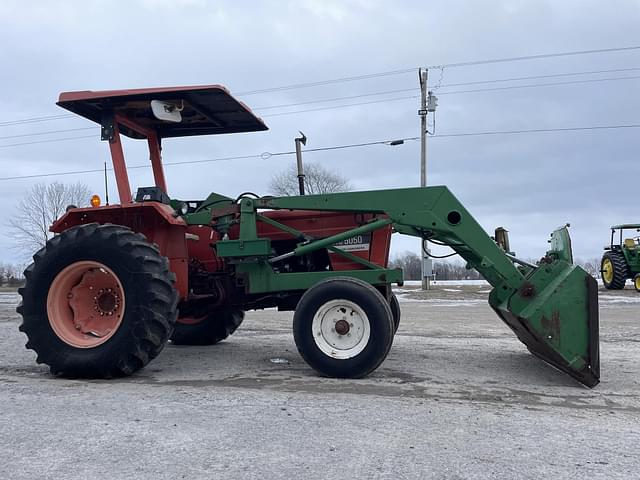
152	194
629	243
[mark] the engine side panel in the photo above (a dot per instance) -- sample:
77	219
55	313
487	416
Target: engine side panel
374	247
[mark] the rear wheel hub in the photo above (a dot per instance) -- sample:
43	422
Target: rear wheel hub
107	302
85	304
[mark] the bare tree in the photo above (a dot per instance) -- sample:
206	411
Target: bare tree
454	270
443	269
410	264
591	266
10	275
40	207
317	180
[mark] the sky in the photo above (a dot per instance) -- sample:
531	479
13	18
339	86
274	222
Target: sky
529	183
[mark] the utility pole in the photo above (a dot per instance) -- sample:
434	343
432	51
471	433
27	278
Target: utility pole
426	105
423	74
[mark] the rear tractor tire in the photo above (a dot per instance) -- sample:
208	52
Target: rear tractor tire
343	327
613	269
98	302
395	311
209	329
636	282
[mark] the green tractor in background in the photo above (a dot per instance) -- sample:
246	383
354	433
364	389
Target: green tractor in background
621	259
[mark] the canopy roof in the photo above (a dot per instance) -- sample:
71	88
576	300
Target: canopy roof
626	225
206	110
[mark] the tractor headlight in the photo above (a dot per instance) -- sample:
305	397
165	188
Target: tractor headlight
181	208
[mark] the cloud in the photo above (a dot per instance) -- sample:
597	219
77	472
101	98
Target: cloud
529	183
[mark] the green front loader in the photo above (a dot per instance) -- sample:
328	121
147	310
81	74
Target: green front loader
552	306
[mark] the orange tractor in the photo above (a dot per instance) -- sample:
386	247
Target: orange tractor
116	282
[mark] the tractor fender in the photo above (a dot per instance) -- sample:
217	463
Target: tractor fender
154	220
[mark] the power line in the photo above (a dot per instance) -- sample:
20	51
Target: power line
538	77
408	97
47	133
340	106
377	75
389	92
267	115
535	85
384	100
46	141
537	130
329	81
534	57
132	167
445	65
335	99
267	155
36	119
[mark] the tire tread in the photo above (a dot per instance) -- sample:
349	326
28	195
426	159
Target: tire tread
151	334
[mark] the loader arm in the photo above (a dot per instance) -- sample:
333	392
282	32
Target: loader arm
429	212
551	307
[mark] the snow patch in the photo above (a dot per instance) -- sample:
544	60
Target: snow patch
617	299
441	302
405	290
447	282
9	298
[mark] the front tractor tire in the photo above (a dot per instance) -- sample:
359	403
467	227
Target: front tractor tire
613	269
343	327
208	329
98	302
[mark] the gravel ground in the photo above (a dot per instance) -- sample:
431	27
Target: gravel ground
458	398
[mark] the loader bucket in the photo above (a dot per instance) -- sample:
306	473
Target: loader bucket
555	314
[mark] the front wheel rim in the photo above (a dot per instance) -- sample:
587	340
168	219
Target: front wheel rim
341	329
637	282
85	304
